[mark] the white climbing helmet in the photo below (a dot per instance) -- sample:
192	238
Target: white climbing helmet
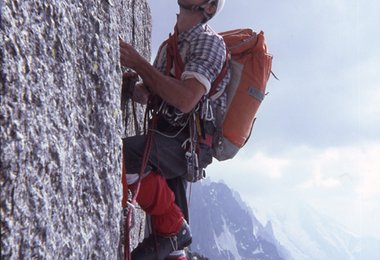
219	6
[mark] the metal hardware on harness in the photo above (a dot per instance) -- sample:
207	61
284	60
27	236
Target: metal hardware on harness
206	111
172	115
194	173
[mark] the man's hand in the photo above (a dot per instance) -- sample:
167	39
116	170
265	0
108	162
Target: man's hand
183	95
141	94
129	57
131	88
130	79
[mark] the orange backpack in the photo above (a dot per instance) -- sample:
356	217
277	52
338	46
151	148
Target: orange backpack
250	66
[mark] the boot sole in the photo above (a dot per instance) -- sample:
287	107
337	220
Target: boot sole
186	244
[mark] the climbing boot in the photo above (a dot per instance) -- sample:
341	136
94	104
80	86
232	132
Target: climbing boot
159	247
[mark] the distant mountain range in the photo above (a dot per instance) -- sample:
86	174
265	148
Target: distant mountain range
309	235
224	227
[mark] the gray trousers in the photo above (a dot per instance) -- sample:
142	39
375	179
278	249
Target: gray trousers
167	157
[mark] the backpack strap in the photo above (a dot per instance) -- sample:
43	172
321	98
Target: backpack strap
219	78
173	58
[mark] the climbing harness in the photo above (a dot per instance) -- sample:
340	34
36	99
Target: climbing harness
197	120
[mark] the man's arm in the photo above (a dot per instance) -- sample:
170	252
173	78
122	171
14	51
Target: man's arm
182	94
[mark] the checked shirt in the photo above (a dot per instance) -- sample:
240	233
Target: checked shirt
203	53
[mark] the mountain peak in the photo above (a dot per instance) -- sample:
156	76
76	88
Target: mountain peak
224	227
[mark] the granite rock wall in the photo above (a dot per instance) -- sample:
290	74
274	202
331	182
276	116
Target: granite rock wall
61	125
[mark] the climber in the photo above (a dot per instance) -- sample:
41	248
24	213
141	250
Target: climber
162	192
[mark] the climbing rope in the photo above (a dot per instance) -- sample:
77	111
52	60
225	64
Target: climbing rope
129	80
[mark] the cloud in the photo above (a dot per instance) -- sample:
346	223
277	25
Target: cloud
357	166
336	180
369	173
326	168
258	163
319	181
268	165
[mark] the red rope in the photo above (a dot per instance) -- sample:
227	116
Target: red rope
127	251
145	159
173	58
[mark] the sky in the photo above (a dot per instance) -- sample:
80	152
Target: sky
317	135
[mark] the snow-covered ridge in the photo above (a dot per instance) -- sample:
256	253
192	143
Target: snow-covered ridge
224	227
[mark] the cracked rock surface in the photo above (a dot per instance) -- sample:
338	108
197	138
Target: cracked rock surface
61	125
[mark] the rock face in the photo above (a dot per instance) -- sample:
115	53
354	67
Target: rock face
61	125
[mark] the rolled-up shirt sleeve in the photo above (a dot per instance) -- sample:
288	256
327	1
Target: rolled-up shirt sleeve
205	60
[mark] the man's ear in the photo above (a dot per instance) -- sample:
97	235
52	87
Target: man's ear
210	9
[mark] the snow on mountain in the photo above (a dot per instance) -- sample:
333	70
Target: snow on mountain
224	227
307	234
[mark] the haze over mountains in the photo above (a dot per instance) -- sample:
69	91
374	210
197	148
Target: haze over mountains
224	227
